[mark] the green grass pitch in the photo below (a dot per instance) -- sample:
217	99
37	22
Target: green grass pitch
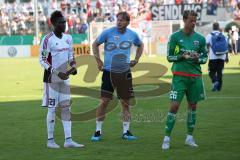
23	127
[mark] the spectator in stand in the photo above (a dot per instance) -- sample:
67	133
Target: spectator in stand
178	1
236	13
89	15
54	5
212	6
198	1
83	27
99	5
79	5
232	4
45	8
70	24
68	6
166	2
63	6
235	38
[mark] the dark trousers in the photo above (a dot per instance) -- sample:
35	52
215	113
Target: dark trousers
215	68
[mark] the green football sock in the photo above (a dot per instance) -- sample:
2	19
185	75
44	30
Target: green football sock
191	120
171	117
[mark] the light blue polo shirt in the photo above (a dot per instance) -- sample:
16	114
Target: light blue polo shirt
117	48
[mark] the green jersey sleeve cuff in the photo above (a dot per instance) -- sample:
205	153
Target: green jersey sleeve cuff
174	58
202	60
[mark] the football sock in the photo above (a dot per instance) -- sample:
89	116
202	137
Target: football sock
126	127
67	125
189	137
51	140
166	138
69	139
99	126
171	117
50	122
191	120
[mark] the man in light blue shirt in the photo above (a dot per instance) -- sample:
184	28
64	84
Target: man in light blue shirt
116	70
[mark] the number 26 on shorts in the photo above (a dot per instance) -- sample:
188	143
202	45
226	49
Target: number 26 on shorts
173	95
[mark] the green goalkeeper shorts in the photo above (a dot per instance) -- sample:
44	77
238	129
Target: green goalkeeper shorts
191	86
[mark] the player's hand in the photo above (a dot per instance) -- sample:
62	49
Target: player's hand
72	71
226	60
63	76
186	55
133	63
100	65
195	56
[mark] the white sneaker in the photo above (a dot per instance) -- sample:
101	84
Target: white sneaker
166	143
72	144
190	141
52	144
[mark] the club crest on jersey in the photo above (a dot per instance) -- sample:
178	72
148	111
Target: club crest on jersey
116	38
44	53
68	41
196	43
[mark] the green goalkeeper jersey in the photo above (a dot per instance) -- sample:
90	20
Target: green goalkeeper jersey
180	43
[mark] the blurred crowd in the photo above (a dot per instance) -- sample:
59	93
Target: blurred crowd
20	19
235	9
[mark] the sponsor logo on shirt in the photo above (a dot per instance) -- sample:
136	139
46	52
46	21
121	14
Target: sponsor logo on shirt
68	41
125	45
62	49
196	43
110	46
176	50
116	38
44	53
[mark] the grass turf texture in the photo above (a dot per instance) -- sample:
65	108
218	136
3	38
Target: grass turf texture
23	127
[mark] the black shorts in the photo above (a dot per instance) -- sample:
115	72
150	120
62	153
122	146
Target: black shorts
122	82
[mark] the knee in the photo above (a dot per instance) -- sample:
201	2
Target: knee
125	104
65	109
174	107
104	102
65	113
192	106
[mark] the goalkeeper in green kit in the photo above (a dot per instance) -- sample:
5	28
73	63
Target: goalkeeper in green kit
187	51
